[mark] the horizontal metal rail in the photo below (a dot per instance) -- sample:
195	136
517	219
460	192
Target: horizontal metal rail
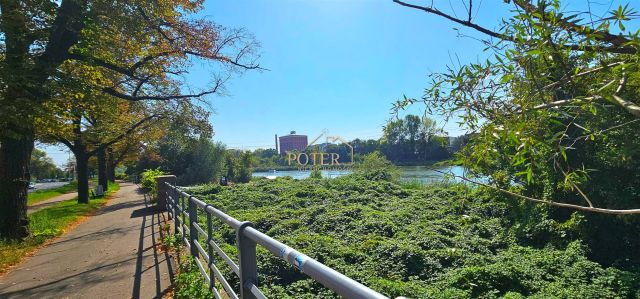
185	208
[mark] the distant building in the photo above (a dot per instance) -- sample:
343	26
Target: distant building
293	142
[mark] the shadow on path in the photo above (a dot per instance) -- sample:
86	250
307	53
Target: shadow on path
150	214
114	254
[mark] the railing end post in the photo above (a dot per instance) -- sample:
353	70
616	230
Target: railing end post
163	189
248	261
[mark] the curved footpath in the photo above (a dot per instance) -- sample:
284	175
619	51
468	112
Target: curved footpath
111	255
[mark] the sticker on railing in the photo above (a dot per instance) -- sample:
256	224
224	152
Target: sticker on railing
300	260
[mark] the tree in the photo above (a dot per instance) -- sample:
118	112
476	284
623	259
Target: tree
555	91
144	47
42	166
413	140
554	110
376	167
231	166
245	169
192	160
92	124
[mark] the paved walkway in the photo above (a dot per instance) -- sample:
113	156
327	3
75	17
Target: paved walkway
49	202
111	255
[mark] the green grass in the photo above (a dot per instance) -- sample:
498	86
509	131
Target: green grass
41	195
47	224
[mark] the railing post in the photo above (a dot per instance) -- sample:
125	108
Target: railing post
162	190
248	262
176	208
212	278
193	233
168	207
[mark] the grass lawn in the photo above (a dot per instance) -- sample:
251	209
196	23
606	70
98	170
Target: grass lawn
47	224
40	195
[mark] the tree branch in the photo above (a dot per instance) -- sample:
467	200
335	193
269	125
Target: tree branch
124	134
551	203
536	12
629	106
457	20
611	49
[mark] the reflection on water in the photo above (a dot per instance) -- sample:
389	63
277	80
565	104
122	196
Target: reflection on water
423	174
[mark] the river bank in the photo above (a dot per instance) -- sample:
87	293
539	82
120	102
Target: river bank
420	174
430	241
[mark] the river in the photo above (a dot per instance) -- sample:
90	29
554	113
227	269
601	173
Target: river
422	174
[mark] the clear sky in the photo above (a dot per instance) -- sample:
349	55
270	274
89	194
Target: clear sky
335	65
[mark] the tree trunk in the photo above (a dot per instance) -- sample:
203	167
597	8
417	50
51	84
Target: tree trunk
82	171
111	166
102	169
15	154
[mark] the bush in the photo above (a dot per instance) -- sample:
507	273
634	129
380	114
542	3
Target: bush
189	283
376	167
121	176
315	173
148	181
245	167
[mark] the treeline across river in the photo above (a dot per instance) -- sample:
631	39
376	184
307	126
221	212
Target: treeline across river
407	141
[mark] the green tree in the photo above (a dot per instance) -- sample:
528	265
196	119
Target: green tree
556	112
230	166
138	53
376	167
554	104
245	167
42	166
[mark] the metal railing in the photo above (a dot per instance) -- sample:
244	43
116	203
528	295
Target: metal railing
183	209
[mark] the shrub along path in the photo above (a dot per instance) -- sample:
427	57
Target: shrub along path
111	255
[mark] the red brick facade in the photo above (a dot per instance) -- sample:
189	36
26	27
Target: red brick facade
290	143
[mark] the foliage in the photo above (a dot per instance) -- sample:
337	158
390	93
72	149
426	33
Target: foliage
556	114
42	166
192	161
376	167
230	167
189	282
555	104
148	181
245	167
436	241
413	140
63	59
315	173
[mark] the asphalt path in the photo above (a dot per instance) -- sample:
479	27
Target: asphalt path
114	254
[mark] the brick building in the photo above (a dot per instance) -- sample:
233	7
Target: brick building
293	142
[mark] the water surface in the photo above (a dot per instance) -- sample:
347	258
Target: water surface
423	174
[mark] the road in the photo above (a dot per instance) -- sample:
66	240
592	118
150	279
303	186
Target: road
45	186
114	254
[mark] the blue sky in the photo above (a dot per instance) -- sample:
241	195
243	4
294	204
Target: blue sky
333	64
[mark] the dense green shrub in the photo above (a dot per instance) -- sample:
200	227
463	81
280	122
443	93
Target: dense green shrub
444	241
245	169
148	180
190	284
315	173
376	167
